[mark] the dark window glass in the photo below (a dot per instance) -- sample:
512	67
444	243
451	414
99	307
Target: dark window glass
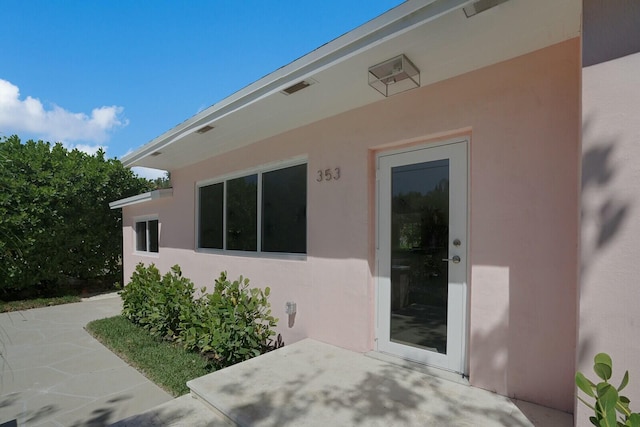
419	241
284	210
153	235
211	215
242	213
141	236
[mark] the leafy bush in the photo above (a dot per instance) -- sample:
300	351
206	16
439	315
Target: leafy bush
233	323
175	296
137	296
229	325
158	303
55	220
608	401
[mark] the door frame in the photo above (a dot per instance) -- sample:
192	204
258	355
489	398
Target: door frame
461	365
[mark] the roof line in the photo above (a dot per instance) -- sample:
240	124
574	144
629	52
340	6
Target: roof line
393	23
141	198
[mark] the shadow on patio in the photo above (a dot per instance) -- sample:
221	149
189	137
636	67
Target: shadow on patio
311	383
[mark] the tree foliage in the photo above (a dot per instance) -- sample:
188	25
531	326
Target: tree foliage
55	220
162	182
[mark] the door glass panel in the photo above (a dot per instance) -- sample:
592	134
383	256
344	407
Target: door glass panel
419	242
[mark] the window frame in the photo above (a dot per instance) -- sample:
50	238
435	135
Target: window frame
259	171
146	219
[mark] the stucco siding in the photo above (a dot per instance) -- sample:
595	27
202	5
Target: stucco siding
610	271
522	120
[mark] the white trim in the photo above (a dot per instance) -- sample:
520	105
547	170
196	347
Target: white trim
456	359
389	25
420	147
146	219
262	168
288	256
259	213
141	198
224	216
149	217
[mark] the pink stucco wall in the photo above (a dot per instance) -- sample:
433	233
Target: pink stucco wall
610	271
522	118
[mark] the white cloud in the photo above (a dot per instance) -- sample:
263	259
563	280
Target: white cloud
89	149
55	123
148	173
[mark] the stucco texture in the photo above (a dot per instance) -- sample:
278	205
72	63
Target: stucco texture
522	119
610	271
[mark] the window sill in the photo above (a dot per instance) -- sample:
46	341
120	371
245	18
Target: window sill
257	255
147	254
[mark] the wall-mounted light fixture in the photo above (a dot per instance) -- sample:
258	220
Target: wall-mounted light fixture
394	75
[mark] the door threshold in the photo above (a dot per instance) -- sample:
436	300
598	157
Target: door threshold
419	367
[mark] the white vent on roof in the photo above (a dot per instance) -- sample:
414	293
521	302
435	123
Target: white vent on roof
298	86
481	6
204	129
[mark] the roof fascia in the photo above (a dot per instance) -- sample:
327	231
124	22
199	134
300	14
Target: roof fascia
389	25
141	198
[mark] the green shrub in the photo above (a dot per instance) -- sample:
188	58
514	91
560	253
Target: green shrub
158	303
232	324
229	325
608	401
137	296
174	297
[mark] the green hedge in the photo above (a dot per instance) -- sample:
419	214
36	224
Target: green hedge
55	220
229	325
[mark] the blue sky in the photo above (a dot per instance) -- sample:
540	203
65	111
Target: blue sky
116	74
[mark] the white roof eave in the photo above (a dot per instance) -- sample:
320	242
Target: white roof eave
391	24
141	198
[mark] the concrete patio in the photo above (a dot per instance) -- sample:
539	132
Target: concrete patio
314	384
55	374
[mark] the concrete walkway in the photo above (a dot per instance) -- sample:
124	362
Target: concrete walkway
55	374
309	383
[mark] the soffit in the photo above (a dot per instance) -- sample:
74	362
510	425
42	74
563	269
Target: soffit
442	48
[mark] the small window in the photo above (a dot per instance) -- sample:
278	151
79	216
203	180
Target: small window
147	237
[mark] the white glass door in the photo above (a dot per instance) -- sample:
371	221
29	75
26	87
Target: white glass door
422	255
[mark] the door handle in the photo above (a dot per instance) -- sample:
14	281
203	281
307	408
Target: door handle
455	259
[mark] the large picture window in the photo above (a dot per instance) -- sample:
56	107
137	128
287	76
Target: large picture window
259	212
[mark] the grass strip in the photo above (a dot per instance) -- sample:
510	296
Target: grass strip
36	303
164	363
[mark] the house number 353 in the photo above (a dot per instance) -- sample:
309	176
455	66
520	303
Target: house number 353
331	174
